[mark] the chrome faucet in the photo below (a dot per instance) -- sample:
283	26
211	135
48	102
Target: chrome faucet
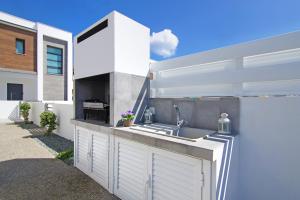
179	123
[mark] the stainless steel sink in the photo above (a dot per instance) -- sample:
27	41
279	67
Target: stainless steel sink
186	133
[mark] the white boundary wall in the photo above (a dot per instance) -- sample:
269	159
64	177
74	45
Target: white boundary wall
64	112
9	111
263	67
269	135
269	148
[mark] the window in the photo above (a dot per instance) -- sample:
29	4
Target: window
54	60
20	46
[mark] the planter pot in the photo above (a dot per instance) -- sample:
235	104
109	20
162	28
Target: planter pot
127	123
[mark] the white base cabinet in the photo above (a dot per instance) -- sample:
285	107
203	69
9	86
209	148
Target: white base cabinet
82	149
131	170
92	154
143	172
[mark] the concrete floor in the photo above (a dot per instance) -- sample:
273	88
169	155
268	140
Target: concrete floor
29	171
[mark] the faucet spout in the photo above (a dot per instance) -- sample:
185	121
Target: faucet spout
179	122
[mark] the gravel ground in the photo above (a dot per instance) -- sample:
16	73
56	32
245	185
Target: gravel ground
53	143
29	171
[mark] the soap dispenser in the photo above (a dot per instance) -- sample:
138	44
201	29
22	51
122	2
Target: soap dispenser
148	116
224	124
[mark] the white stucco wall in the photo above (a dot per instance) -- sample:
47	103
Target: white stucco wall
95	55
269	148
123	46
36	109
132	46
29	81
64	112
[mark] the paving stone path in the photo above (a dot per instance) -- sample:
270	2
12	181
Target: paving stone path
28	170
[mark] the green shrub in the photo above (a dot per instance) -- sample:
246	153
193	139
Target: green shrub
48	120
24	108
65	155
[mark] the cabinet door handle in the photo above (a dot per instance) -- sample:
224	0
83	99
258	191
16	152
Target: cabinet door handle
89	153
203	179
148	186
149	181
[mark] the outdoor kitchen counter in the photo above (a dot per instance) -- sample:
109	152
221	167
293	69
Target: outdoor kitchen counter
201	148
92	125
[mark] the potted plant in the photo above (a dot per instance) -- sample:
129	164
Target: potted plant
24	108
127	118
48	120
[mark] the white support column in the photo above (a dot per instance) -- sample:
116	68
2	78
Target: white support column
44	30
40	65
70	68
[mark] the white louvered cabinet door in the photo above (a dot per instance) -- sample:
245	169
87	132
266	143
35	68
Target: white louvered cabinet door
82	149
131	173
99	159
175	177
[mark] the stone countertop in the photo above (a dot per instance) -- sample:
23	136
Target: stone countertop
200	148
93	125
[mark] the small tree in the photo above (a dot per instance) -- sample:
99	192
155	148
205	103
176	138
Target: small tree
48	120
24	108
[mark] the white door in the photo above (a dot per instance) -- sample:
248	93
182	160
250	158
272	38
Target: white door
99	162
82	149
131	170
175	176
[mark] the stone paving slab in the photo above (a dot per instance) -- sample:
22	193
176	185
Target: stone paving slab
29	171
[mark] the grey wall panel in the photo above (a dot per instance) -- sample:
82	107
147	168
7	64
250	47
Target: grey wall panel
198	112
55	86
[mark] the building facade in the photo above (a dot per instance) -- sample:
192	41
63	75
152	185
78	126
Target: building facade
35	61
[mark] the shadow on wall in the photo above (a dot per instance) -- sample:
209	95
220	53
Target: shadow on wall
227	180
141	102
46	178
15	114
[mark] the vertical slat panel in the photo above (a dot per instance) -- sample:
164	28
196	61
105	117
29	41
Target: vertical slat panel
82	160
207	189
131	170
99	168
176	177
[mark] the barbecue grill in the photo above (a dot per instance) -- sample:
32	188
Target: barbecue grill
94	108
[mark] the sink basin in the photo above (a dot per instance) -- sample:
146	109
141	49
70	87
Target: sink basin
186	133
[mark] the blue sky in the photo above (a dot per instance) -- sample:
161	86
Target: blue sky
198	24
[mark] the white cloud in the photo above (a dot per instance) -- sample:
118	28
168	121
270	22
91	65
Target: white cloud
164	43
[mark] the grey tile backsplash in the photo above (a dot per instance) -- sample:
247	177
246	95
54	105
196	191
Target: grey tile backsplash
198	112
